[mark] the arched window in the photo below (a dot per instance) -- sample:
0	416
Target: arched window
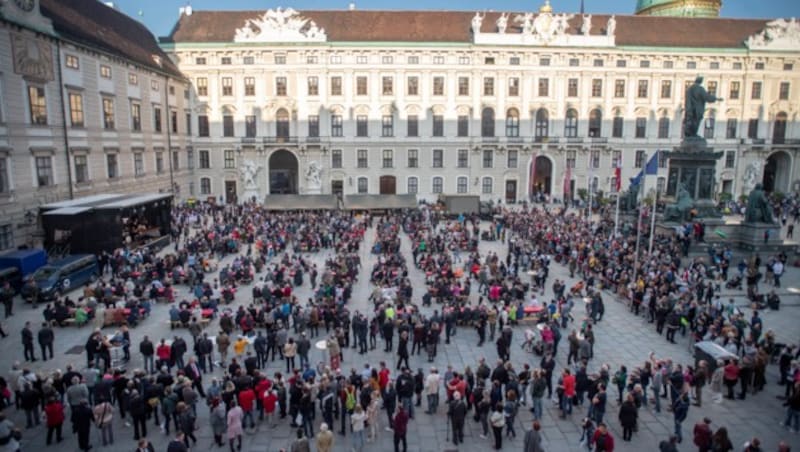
462	184
512	122
779	130
542	124
487	122
663	127
710	123
595	123
571	124
282	124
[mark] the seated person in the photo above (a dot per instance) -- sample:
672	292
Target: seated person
48	313
773	302
174	314
81	317
60	313
185	316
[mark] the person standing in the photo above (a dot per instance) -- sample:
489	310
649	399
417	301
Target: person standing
27	342
235	419
178	444
702	435
7	295
457	412
82	424
324	439
103	416
357	420
289	352
432	383
219	421
400	428
628	414
680	409
46	338
533	439
498	422
402	351
602	439
54	411
147	350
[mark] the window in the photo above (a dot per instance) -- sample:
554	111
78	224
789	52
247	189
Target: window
190	159
227	86
666	89
737	66
362	59
622	63
133	79
662	159
617	126
574	62
412	86
6	236
710	122
513	61
313	126
105	71
571	124
171	90
228	159
202	86
387	126
731	128
571	156
71	61
205	185
544	87
759	66
248	60
336	158
572	87
462	184
513	158
712	88
638	161
112	166
512	122
752	129
159	162
249	86
488	60
227	126
412	126
641	127
488	86
595	123
201	61
312	59
542	124
361	126
463	125
108	113
488	158
38	105
336	59
336	86
205	160
438	125
361	158
154	85
463	86
412	185
486	186
714	65
225	61
413	59
437	185
44	171
616	159
733	94
361	85
250	126
76	110
438	86
202	125
730	159
619	88
280	86
282	124
388	158
336	126
597	87
387	86
691	65
755	93
157	119
81	169
280	59
597	63
644	64
783	92
663	127
363	185
487	122
594	159
788	66
136	117
641	92
438	158
439	59
463	158
173	117
669	64
413	158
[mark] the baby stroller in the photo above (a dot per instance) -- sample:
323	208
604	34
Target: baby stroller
735	283
533	342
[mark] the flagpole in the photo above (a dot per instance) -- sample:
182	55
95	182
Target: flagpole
639	225
653	222
616	217
617	186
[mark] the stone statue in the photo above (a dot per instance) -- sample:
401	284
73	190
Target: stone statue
758	208
502	23
314	175
611	26
751	175
683	204
477	20
248	172
586	26
695	106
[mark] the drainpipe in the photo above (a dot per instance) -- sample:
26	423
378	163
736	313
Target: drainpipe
64	113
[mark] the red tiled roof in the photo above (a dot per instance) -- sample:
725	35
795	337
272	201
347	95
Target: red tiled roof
454	26
94	24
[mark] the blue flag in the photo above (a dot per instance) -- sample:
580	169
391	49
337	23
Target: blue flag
652	165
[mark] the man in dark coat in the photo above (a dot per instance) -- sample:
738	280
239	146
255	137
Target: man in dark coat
82	417
457	412
46	338
27	342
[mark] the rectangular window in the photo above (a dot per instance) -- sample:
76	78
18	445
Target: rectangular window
544	62
412	126
488	86
783	92
669	64
173	117
336	158
644	64
205	160
487	186
488	158
229	160
205	186
462	185
6	236
336	86
544	87
752	129
733	94
202	86
336	59
81	169
280	86
250	126
336	126
641	127
200	61
227	126
72	61
280	59
619	89
437	186
513	86
731	128
755	93
44	171
594	159
387	126
388	158
759	66
76	110
597	63
662	159
463	158
597	87
691	65
225	61
572	87
463	86
188	124
616	127
412	86
571	156
202	125
513	158
227	86
361	158
438	125
190	159
438	86
616	159
361	85
362	59
463	125
413	186
462	60
666	89
663	127
387	86
641	92
248	60
413	158
712	88
363	185
708	131
105	71
249	86
108	113
513	61
574	62
439	59
38	105
737	66
136	117
313	126
312	59
638	161
730	159
361	126
714	65
438	158
488	60
133	79
154	85
157	119
413	59
112	166
622	63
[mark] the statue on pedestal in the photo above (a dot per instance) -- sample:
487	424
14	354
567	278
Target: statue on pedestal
695	107
758	208
314	175
683	204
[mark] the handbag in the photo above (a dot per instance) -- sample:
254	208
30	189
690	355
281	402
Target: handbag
298	420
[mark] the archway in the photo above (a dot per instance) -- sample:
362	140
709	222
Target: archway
541	176
282	173
776	172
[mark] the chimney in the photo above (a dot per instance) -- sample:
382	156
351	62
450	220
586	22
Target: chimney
351	6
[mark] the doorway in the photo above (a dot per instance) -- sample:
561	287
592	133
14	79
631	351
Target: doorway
776	172
337	187
230	192
511	191
541	182
282	173
388	185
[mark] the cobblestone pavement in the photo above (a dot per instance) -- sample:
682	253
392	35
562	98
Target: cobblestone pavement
621	339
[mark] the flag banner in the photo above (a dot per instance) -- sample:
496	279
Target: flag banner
532	176
652	165
617	178
567	179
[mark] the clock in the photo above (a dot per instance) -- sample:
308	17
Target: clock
25	5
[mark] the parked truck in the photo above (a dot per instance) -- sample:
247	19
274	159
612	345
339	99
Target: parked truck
26	261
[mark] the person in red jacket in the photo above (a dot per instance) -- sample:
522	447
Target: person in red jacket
702	435
247	398
270	401
400	428
54	412
262	386
602	439
164	353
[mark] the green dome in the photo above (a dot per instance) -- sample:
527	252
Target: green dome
679	8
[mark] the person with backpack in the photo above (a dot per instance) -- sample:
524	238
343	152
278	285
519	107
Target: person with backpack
602	439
